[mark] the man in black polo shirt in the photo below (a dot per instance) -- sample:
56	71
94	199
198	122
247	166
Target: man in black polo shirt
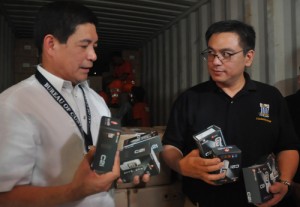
252	115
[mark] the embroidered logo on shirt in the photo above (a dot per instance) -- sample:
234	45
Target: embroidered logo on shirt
264	113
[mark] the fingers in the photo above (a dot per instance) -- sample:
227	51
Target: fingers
116	166
146	178
136	180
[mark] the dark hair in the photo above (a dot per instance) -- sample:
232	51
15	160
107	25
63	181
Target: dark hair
60	19
244	31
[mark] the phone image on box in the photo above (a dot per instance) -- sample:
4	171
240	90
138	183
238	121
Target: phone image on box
107	144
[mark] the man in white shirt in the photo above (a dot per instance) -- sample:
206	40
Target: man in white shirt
49	120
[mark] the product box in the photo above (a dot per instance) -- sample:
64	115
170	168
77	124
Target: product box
165	176
138	159
258	178
107	144
231	156
151	137
140	155
208	139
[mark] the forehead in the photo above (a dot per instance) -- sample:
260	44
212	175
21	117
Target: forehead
224	40
85	32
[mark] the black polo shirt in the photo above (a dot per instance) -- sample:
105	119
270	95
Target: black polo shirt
293	102
256	120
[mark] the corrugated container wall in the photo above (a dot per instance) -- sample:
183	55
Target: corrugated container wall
172	62
6	47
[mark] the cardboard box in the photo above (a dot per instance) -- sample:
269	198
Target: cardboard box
208	139
231	156
121	198
258	178
25	47
157	196
25	64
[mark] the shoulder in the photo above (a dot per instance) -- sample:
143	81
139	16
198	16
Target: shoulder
267	90
24	89
293	97
198	90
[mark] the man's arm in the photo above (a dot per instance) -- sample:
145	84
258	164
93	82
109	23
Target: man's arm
85	182
192	165
287	162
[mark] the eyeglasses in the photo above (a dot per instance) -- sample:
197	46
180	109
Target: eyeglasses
224	56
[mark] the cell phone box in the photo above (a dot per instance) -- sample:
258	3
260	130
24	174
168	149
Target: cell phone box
109	135
231	157
259	177
138	159
208	139
152	138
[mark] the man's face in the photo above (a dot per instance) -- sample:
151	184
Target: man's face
227	73
74	59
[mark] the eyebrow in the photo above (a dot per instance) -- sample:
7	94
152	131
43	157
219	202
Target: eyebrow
221	50
88	41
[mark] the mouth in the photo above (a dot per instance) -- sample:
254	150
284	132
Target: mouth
87	69
217	71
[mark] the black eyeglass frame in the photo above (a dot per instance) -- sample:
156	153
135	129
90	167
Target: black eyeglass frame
205	55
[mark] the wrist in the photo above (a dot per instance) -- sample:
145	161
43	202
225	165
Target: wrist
287	183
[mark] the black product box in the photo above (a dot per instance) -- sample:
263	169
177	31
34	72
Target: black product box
139	156
208	139
231	156
258	178
152	138
109	135
138	159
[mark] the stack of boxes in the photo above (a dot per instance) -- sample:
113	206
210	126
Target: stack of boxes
25	59
134	57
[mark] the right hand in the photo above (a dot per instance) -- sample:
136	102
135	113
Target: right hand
192	165
87	182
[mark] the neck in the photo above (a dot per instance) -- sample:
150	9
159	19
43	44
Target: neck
232	89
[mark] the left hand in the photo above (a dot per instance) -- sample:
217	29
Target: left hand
279	190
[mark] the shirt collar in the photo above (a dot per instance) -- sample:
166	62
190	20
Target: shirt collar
249	85
59	83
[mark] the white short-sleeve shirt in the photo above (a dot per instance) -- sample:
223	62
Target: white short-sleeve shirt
40	144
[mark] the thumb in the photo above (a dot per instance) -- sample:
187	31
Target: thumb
194	153
90	155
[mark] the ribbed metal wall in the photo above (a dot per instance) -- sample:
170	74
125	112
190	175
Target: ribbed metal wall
172	63
6	47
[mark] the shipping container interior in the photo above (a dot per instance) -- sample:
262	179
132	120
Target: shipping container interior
163	39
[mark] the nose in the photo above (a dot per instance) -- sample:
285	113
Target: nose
217	59
92	55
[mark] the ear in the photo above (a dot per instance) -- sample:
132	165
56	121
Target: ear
249	58
49	44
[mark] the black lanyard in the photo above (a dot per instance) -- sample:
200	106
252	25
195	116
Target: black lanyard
64	104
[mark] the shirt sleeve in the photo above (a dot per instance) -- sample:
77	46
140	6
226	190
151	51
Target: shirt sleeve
176	127
17	147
